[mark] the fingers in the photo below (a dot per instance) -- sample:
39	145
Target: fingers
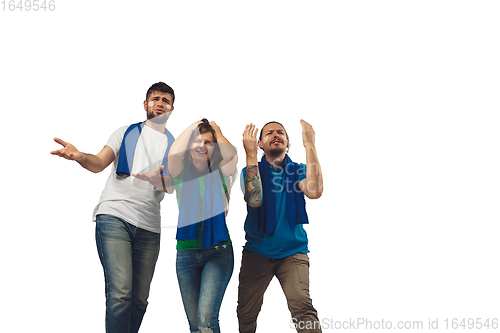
246	129
157	171
63	154
308	134
61	142
250	131
306	126
254	134
141	176
148	175
215	126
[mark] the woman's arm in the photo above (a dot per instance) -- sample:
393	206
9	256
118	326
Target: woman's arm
178	150
229	155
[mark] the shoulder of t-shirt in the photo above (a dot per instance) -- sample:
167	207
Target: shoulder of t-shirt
115	140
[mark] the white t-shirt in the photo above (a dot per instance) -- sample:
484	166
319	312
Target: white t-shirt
131	199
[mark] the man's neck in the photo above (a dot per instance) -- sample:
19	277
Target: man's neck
157	127
275	161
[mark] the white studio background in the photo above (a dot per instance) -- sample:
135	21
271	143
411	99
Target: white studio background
403	96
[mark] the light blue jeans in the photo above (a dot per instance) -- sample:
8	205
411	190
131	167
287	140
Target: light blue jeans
128	256
203	276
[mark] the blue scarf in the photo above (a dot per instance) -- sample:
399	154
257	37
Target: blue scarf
213	217
295	202
127	149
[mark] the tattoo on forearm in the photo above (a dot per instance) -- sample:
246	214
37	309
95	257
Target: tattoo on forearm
253	186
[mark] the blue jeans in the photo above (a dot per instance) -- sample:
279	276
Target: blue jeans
203	276
128	256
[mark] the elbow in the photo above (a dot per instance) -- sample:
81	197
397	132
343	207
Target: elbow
255	204
314	195
95	170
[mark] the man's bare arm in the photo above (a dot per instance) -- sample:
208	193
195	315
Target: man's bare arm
93	163
253	186
253	183
312	185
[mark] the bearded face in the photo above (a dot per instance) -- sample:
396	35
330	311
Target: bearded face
274	140
158	107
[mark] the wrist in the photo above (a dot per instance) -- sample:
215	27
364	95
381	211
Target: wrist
252	154
81	157
252	159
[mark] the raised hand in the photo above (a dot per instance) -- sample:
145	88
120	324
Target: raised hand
68	151
308	134
312	186
250	140
253	184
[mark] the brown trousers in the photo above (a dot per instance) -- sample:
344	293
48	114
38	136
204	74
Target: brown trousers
293	274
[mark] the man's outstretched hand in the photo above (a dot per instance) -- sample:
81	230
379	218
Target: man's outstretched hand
154	177
68	151
149	176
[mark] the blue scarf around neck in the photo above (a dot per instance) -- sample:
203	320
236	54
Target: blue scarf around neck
127	149
213	215
295	202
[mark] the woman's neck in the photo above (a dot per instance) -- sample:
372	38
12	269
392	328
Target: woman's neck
200	166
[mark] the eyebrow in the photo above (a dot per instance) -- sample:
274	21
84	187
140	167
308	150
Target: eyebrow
163	98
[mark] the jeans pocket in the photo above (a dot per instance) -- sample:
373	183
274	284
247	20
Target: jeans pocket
302	265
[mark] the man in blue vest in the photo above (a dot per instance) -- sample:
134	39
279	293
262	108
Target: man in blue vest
128	212
276	242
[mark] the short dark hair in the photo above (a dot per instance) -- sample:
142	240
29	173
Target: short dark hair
272	122
162	87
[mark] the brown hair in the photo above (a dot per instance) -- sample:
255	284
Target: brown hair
204	127
214	161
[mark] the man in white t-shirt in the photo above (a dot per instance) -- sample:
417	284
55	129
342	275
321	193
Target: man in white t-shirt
128	212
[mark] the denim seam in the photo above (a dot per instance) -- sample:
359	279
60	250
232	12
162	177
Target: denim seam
105	272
